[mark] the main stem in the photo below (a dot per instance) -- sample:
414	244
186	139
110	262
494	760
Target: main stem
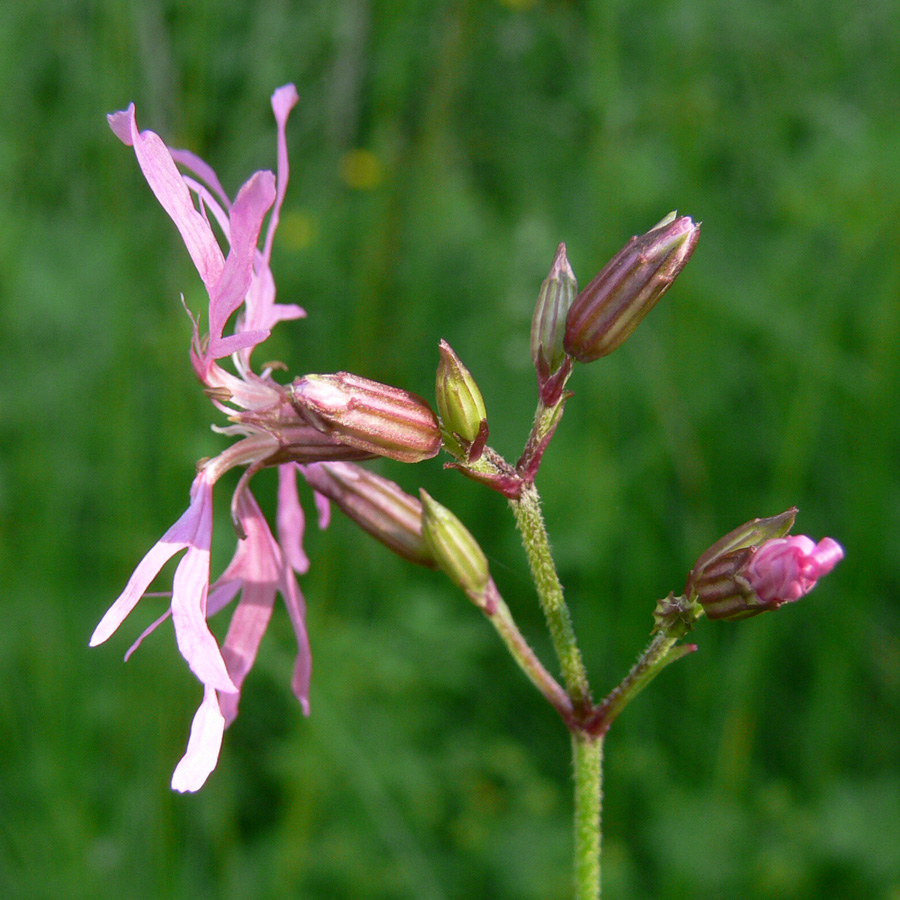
587	760
587	749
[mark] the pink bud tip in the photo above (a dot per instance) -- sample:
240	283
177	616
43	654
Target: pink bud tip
784	569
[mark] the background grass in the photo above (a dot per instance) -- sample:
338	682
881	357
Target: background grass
765	765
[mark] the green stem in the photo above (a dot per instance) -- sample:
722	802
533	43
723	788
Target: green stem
587	758
675	617
527	510
495	608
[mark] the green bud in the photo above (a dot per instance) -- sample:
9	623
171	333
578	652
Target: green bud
454	549
548	324
460	405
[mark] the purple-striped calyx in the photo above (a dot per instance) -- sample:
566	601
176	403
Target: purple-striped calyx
368	415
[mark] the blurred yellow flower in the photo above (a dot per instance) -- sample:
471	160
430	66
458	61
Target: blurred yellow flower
298	229
361	170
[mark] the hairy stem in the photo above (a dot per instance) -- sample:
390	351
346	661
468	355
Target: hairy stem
587	759
527	511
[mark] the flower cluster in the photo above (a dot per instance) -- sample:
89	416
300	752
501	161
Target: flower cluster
270	432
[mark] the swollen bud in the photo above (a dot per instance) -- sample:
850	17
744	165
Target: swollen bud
548	324
461	407
757	567
605	313
368	415
454	549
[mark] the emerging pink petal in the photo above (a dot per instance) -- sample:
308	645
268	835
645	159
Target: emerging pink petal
204	171
189	595
283	101
255	569
784	569
203	746
261	311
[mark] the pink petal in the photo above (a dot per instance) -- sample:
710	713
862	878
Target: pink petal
203	171
244	340
261	310
189	593
253	202
283	101
179	536
827	554
257	566
296	608
323	506
784	569
245	633
222	593
291	521
167	184
203	746
147	632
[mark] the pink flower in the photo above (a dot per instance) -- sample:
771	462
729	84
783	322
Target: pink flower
240	288
784	569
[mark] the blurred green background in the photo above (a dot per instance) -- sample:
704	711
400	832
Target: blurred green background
440	151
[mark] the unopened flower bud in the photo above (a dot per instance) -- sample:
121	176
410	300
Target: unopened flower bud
605	313
757	568
368	415
455	550
461	406
548	324
378	505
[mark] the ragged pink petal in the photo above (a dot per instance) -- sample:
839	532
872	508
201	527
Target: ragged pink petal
167	184
147	632
323	507
283	101
203	746
261	310
258	571
203	171
189	594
